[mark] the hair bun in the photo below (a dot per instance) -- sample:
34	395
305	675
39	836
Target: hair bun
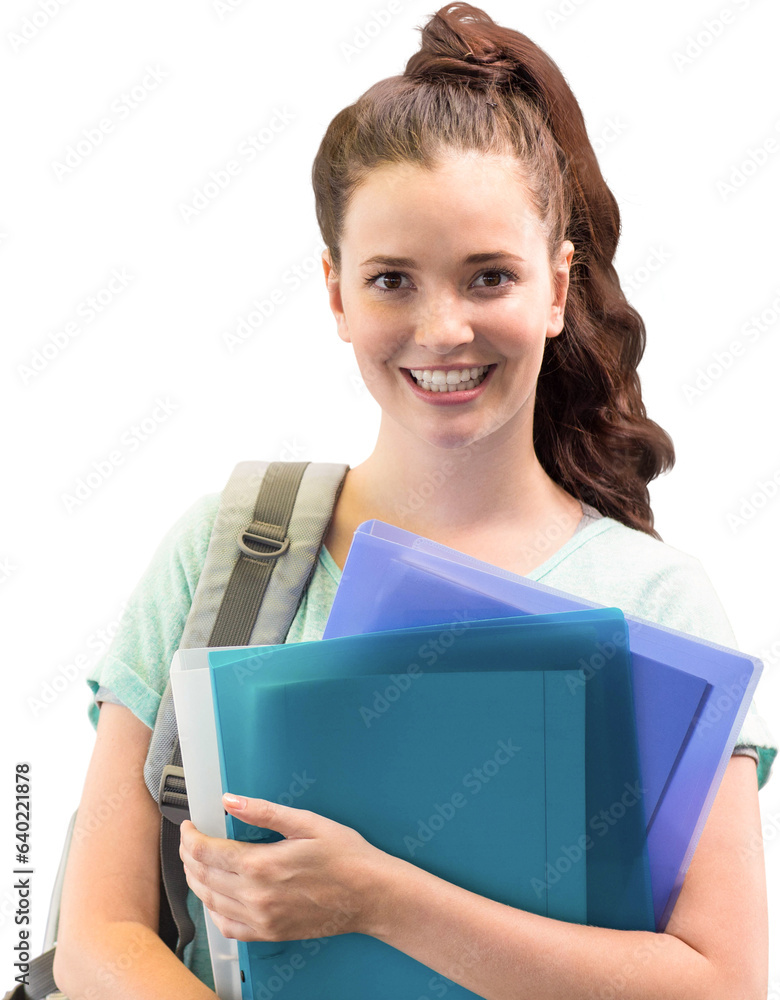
458	46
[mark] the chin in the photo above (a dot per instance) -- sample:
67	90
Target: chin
454	440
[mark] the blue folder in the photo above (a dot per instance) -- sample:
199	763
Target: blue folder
473	749
691	696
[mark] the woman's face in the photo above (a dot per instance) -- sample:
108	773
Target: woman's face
441	272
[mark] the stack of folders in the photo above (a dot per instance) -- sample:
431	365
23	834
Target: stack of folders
552	755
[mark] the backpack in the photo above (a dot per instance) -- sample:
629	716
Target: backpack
271	522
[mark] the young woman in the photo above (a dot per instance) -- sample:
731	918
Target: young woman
470	239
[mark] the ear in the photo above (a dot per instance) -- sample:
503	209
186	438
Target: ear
560	289
334	295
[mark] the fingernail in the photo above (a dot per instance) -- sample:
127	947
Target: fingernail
236	801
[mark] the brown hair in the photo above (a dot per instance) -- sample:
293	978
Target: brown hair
475	85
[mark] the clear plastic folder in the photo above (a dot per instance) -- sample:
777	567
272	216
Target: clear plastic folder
473	749
690	696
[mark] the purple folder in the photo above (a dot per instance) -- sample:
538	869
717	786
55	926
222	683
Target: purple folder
690	696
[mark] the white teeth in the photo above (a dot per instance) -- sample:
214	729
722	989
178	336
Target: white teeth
436	380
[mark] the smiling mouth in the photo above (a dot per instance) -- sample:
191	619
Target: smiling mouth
454	380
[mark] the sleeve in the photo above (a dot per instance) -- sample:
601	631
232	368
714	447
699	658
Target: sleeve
683	597
134	669
104	694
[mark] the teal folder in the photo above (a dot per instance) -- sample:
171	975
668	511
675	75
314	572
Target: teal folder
475	750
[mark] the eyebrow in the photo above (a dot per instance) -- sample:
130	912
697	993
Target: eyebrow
473	258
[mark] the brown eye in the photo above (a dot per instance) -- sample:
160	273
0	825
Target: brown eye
386	276
493	278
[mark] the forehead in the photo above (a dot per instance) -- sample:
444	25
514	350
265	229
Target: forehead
469	197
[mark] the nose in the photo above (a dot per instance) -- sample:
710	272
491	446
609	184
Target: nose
441	326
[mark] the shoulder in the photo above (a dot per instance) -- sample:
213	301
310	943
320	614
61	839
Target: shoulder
182	551
614	565
648	555
189	532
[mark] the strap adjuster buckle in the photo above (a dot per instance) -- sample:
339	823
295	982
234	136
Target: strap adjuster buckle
173	794
281	546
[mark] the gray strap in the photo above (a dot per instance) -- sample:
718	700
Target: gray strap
261	546
311	516
41	978
249	592
174	881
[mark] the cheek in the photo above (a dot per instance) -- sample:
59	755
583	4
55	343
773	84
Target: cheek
373	367
378	344
519	340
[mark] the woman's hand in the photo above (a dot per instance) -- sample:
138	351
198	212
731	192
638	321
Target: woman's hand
320	881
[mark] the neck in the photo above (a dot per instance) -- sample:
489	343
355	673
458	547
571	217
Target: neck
443	493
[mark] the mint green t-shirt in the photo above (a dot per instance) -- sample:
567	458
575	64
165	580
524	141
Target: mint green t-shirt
605	562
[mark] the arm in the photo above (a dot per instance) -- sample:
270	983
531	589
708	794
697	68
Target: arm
715	945
108	944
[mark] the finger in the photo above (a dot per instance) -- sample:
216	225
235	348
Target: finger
287	820
196	848
227	883
224	904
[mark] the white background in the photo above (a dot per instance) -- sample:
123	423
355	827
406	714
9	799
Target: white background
669	129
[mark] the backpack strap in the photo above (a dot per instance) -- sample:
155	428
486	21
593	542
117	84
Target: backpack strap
40	979
262	554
